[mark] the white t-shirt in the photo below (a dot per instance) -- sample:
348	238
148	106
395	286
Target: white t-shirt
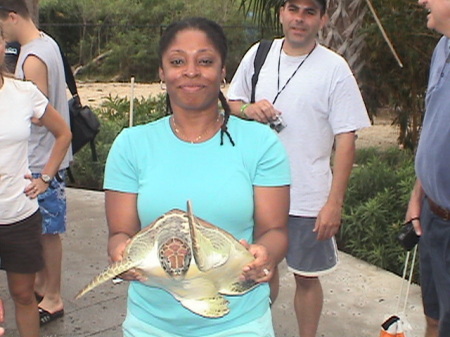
321	100
19	102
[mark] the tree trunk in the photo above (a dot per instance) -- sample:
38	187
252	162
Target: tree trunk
33	7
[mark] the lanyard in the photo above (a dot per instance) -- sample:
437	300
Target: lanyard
293	74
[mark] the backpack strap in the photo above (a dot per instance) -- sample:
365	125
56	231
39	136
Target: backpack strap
260	58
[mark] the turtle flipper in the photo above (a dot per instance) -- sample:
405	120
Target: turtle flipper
238	288
109	273
210	251
212	307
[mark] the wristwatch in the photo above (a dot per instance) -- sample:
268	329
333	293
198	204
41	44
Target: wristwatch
46	178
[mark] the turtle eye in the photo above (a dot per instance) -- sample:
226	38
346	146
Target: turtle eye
175	257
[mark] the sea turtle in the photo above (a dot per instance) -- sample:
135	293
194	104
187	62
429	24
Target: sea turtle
190	258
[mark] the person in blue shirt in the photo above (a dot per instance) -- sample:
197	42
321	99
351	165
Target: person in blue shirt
235	173
429	205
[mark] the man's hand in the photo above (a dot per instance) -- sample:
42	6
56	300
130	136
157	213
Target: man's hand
328	221
262	111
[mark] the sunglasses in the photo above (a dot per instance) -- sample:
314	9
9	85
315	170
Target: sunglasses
6	9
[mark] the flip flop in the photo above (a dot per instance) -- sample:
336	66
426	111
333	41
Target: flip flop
46	317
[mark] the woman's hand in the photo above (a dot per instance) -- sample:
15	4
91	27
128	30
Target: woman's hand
36	187
116	248
261	269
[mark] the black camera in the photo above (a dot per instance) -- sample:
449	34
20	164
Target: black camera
407	236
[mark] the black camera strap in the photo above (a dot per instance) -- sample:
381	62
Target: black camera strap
293	74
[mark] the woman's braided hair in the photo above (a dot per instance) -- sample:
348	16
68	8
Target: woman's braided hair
217	37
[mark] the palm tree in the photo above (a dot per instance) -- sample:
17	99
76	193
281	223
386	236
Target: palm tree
342	34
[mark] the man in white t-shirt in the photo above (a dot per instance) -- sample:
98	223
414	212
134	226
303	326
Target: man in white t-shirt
316	95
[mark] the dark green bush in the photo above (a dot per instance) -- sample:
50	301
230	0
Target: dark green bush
377	197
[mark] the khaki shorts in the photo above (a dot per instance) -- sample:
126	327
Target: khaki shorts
306	255
20	245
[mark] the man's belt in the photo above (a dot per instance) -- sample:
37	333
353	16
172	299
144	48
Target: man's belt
438	210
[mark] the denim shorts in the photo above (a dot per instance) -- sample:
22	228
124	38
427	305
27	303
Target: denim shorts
306	255
434	247
53	205
261	327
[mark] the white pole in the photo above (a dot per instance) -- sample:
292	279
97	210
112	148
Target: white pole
132	102
383	32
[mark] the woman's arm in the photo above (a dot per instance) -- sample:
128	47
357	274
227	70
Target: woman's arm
271	238
53	121
123	221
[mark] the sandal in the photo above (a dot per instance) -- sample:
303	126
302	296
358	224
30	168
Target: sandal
46	317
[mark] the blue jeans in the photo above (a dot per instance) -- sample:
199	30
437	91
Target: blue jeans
435	268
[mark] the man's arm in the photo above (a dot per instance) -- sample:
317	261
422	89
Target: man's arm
329	218
262	111
36	71
415	206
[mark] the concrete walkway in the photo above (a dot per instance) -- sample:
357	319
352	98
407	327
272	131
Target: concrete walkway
358	296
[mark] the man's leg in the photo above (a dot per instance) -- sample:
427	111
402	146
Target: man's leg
53	207
308	301
432	329
22	293
50	276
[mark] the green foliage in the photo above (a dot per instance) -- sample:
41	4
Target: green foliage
114	115
375	207
114	40
384	83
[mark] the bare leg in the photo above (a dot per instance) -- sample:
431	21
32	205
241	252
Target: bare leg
274	285
2	317
308	301
50	277
432	327
22	293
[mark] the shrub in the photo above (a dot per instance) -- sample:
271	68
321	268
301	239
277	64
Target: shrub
377	197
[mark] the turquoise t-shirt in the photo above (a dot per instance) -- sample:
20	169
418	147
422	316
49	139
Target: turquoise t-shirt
165	172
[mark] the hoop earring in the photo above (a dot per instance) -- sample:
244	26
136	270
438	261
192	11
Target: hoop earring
163	85
224	83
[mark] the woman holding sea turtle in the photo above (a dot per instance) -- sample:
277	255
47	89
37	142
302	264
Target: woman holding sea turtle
235	172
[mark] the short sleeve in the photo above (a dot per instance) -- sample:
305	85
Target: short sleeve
348	111
241	85
121	173
273	165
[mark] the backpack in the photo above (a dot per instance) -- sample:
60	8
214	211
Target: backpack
260	58
84	123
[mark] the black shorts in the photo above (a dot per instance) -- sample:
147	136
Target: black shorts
21	247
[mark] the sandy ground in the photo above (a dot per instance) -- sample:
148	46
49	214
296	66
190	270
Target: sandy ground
382	134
